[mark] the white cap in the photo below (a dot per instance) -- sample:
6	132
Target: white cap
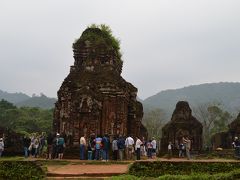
58	134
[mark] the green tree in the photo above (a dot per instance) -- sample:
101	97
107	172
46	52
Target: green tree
213	118
25	119
220	119
6	105
8	114
154	121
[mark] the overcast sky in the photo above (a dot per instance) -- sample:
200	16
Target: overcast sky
166	44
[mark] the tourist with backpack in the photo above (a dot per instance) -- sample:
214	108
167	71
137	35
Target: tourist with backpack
105	147
121	147
60	146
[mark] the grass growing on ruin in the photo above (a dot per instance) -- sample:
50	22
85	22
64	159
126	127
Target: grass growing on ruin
99	36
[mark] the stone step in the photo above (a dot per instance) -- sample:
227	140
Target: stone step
79	177
84	175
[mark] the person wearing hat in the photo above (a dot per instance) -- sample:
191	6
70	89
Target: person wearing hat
60	145
1	146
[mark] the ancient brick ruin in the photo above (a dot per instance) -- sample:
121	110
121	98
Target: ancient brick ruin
234	128
224	139
12	142
182	124
94	98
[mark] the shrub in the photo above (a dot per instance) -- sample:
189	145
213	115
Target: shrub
125	177
199	176
20	170
157	168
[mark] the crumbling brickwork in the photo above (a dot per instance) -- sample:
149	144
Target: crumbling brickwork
94	98
182	124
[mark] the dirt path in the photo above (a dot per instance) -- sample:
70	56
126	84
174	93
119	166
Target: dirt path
77	168
88	169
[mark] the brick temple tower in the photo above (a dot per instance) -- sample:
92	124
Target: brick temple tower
94	98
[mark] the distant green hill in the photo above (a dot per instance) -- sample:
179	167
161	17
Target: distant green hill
21	99
42	101
226	93
13	97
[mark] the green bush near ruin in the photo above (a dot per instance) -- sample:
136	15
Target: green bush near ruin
232	175
20	170
158	168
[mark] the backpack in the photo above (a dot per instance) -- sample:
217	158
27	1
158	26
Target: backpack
105	142
121	144
60	141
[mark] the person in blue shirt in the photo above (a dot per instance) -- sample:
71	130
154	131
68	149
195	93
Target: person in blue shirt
98	145
121	147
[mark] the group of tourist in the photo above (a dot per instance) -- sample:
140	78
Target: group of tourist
38	145
33	144
183	148
97	148
55	146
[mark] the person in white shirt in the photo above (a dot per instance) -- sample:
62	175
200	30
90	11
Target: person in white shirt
187	142
129	143
170	150
1	146
82	147
154	147
137	147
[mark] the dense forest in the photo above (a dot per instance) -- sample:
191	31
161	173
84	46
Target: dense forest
25	119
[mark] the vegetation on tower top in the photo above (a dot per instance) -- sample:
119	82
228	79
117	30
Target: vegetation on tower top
99	36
